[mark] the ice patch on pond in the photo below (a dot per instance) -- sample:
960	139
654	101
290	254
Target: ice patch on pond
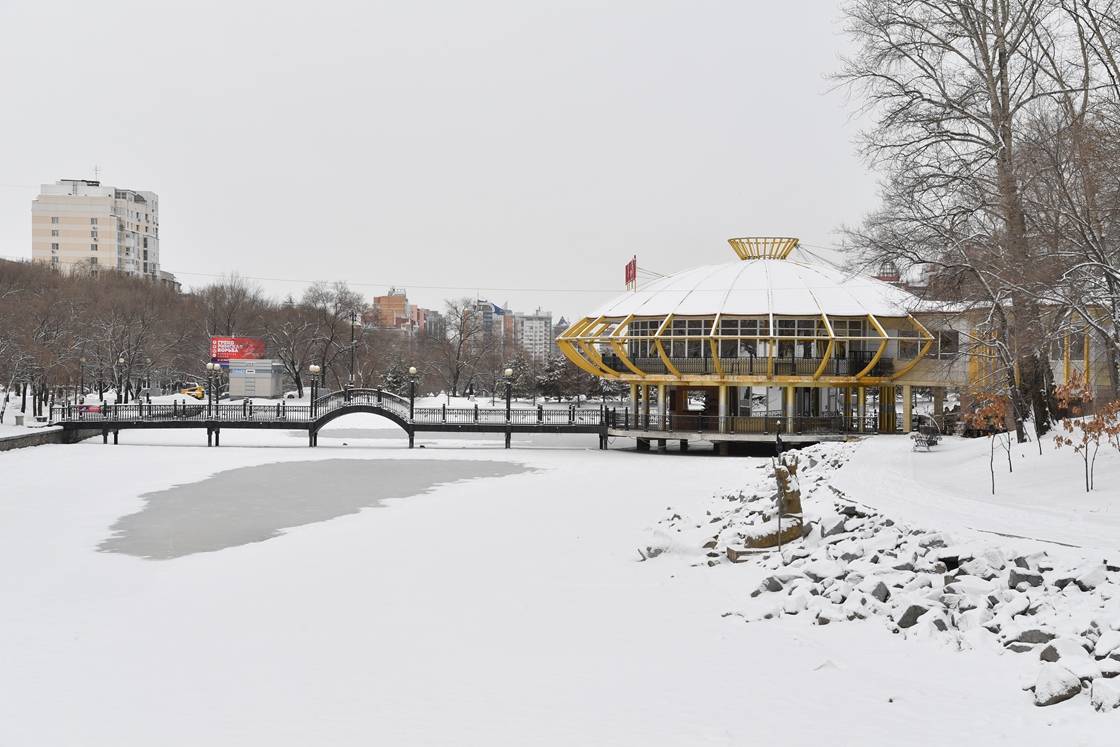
253	504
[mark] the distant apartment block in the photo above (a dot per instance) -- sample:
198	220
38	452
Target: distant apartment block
513	330
533	333
79	224
393	311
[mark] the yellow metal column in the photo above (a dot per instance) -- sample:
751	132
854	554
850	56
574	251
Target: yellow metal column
888	415
789	409
1085	360
1065	359
861	406
662	410
907	407
723	408
634	403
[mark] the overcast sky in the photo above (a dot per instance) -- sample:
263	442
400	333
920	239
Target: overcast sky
470	147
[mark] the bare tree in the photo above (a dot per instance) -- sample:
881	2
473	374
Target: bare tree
455	358
949	84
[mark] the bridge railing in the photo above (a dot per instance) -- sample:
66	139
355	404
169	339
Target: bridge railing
282	411
182	412
365	395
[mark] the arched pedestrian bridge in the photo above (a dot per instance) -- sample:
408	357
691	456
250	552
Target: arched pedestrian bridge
215	417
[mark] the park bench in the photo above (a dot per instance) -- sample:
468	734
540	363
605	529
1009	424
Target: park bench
926	435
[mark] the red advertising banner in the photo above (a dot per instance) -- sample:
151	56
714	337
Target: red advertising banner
632	273
225	348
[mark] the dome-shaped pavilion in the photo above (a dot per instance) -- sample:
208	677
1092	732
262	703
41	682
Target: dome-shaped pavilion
749	329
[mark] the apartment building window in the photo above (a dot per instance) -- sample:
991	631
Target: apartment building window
145	242
54	220
54	232
93	221
54	247
93	247
93	235
54	260
93	260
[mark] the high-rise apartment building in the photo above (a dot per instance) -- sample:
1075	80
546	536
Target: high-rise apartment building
509	330
533	333
79	224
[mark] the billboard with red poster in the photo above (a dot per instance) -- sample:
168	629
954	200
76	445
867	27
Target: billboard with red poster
632	274
226	348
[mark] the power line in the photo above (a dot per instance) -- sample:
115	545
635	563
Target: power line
306	281
404	284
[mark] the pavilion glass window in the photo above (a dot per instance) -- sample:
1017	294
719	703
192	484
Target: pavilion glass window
690	332
845	328
908	344
748	331
948	343
798	337
643	329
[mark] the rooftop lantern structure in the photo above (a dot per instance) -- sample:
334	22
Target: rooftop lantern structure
762	321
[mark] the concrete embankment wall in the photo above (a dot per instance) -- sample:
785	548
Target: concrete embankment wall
45	436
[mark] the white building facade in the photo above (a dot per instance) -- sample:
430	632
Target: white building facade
533	333
83	225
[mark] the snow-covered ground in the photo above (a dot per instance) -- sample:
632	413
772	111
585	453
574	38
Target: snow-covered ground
949	488
497	610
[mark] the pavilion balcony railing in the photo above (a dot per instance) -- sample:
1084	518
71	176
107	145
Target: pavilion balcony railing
761	424
848	365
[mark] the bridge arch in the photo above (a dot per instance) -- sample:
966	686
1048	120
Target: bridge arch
351	409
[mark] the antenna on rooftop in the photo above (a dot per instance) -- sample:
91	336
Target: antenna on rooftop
96	173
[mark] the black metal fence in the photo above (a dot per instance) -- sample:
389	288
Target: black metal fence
273	412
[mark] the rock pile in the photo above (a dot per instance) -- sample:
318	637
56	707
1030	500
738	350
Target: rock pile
854	563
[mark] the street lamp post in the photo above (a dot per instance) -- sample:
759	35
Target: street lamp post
314	370
120	380
354	324
411	393
211	379
509	390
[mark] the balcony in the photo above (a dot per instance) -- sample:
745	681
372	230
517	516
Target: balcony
848	365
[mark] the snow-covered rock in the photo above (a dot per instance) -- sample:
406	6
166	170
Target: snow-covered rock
1022	576
1091	577
911	615
1105	695
1054	684
1107	643
833	525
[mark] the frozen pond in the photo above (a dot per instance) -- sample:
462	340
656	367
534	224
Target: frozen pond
253	504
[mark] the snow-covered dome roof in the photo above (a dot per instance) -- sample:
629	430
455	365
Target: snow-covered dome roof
756	287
